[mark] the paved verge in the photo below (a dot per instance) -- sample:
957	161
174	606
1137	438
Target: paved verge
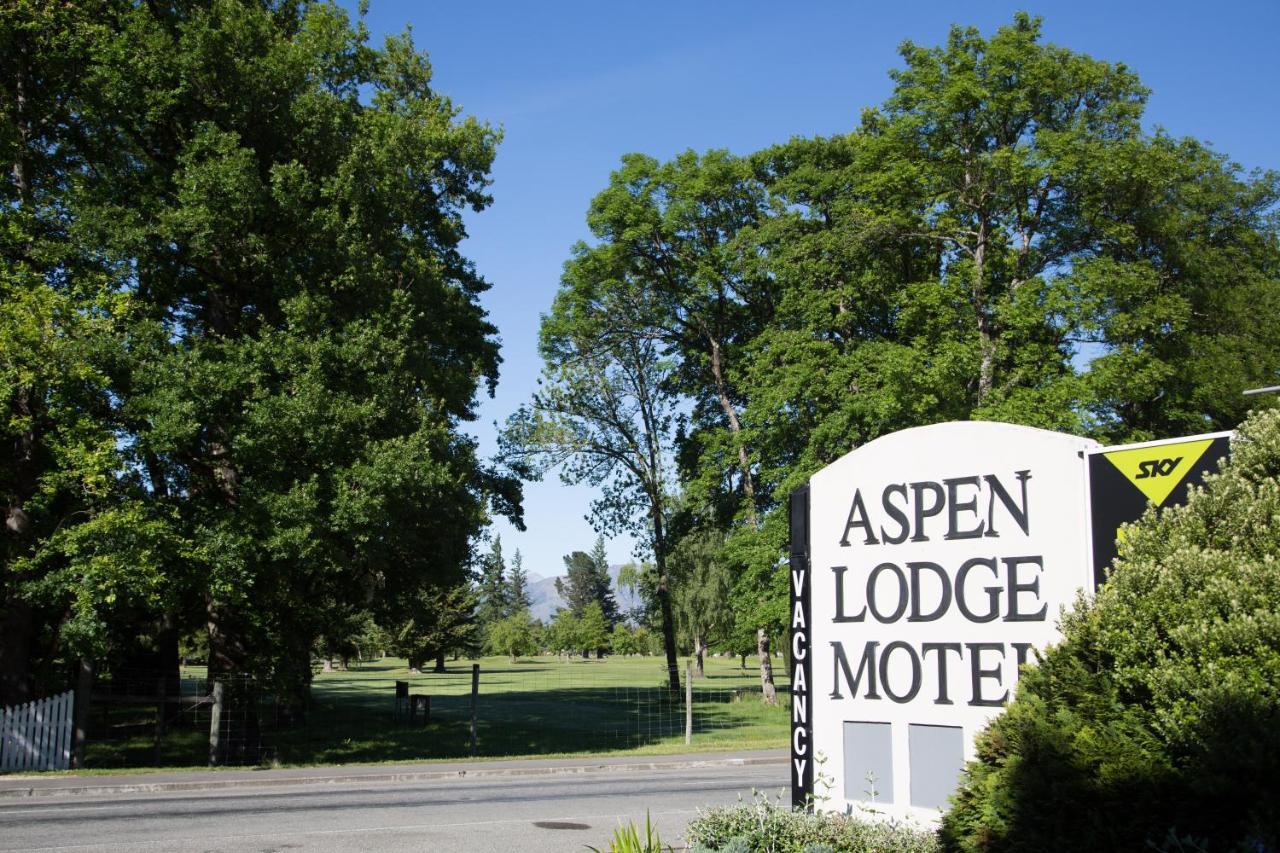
64	785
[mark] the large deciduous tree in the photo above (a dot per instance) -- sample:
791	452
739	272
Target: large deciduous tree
1000	239
605	416
677	242
263	213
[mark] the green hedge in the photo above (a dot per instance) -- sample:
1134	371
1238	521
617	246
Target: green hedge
1155	723
766	827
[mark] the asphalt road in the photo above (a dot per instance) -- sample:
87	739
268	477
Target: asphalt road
553	812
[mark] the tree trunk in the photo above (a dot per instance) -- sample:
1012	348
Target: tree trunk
23	124
986	334
169	663
168	681
226	657
664	596
748	489
766	666
84	690
19	628
439	667
699	652
217	744
769	691
735	428
17	631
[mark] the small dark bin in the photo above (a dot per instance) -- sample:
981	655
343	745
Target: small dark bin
402	699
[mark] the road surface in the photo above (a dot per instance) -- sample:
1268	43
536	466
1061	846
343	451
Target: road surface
551	812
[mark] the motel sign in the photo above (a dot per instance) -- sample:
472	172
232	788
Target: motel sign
926	567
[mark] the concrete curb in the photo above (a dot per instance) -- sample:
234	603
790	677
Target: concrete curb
477	771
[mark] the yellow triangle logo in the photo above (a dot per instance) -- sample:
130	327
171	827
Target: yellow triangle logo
1157	470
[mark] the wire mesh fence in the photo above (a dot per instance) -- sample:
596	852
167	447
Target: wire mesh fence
139	719
536	706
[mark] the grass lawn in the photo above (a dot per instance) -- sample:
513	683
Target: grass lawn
536	706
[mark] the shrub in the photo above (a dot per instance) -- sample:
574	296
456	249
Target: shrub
1155	723
765	827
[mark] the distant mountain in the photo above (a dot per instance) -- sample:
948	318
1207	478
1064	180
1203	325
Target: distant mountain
543	598
545	601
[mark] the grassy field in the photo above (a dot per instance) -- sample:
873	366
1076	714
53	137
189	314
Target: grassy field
536	706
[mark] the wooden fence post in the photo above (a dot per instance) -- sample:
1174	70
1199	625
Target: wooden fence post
475	691
688	702
217	691
84	689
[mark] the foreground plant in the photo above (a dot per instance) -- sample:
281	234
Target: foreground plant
626	839
766	826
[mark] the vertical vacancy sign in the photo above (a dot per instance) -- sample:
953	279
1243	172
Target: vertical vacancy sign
801	662
925	567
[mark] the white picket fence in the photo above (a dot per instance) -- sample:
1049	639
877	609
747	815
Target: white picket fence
37	735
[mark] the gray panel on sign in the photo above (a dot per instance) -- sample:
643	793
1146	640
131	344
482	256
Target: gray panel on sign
937	757
868	762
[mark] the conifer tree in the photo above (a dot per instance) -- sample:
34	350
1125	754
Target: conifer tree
518	585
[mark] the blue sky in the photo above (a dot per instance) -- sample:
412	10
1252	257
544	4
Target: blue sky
574	85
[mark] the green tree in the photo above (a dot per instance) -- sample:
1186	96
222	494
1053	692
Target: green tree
1007	127
83	555
350	636
623	640
593	630
1182	293
672	238
604	416
516	635
702	581
564	634
442	621
263	212
678	239
965	253
492	591
518	585
587	581
1162	695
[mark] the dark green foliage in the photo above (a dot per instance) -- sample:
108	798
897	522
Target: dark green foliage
586	581
493	592
518	584
441	622
1157	718
1000	239
238	335
605	415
